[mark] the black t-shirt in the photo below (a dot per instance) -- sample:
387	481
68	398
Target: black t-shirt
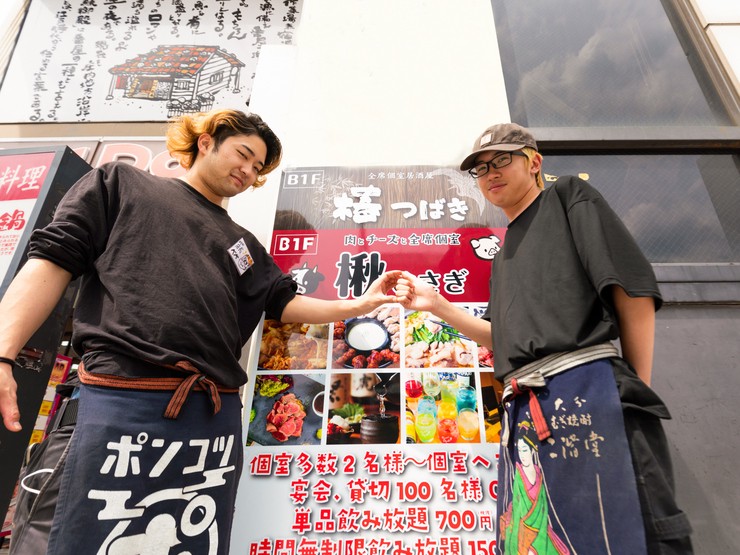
163	276
549	283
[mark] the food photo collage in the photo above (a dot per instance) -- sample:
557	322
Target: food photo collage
391	376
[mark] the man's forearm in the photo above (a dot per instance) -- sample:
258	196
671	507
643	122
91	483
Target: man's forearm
308	310
477	329
27	303
30	298
636	317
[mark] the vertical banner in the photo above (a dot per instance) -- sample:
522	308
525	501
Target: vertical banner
21	178
32	182
376	434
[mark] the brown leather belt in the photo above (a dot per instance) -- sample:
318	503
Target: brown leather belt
181	386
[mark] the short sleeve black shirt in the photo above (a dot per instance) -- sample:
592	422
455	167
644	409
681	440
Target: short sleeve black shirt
549	283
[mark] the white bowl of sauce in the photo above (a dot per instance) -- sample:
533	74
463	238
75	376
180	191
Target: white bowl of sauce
366	334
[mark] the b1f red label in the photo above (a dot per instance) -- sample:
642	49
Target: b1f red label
306	243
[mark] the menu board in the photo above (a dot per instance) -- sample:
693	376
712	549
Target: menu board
378	433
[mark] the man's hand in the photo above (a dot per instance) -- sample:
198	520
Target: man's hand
416	294
380	291
8	399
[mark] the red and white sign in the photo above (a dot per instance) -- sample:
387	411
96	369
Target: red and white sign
21	178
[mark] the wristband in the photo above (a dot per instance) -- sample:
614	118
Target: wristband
8	361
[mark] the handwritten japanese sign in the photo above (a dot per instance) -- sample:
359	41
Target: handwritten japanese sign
130	60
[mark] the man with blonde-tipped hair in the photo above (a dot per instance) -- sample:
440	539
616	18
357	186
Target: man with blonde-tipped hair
171	289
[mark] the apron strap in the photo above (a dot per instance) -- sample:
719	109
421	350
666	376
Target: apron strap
196	378
538	417
181	386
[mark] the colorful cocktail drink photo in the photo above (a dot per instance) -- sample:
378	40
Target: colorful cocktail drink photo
414	390
466	397
446	409
427	404
467	424
449	417
447	430
426	427
449	390
430	382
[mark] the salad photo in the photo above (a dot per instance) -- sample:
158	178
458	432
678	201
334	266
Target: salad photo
431	343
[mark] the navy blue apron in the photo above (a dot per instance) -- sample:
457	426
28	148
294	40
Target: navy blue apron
574	492
135	482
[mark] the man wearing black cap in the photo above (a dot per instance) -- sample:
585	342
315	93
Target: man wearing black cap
569	281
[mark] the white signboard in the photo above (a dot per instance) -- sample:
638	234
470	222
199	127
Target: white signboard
130	60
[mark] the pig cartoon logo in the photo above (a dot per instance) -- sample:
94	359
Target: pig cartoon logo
486	248
308	279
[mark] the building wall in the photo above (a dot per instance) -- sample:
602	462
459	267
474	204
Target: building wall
721	21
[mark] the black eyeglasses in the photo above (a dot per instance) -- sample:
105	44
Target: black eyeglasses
497	162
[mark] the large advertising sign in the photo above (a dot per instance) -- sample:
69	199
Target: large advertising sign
376	434
129	60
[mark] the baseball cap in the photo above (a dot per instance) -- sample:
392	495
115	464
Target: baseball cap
502	136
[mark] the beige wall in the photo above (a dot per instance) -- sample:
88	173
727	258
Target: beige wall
381	92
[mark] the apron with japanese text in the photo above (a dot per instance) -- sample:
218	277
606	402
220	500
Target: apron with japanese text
135	482
566	479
